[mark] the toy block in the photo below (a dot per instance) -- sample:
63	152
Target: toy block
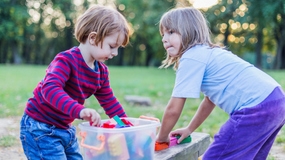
161	146
173	141
118	146
185	140
119	121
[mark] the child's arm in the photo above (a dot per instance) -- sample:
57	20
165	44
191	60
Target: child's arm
53	87
204	110
170	117
106	97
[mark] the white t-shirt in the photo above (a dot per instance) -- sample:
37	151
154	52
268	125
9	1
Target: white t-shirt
230	82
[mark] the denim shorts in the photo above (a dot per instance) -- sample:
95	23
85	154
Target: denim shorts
44	141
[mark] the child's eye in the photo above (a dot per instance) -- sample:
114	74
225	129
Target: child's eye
171	32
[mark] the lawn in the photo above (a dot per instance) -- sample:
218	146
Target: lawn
18	82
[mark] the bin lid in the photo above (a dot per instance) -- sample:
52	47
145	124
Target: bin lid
139	124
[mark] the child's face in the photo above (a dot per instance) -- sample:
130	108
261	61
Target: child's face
171	42
110	46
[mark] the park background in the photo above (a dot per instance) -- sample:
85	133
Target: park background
32	32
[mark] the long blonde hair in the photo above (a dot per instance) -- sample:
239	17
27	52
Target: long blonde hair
191	24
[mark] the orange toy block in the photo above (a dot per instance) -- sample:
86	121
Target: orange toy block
161	146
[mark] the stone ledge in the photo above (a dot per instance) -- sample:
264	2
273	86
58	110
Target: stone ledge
138	100
190	151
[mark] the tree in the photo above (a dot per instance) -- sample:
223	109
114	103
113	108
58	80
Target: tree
33	31
13	15
246	28
278	17
226	20
146	46
270	16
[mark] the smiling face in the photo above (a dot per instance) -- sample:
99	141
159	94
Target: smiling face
171	42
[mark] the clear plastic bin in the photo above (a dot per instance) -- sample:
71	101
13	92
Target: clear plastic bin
134	143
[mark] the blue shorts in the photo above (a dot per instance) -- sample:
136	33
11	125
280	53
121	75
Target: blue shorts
44	141
250	133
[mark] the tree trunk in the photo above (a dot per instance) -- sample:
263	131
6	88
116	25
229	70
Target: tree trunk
69	36
3	52
258	48
120	56
148	55
277	61
226	34
15	53
134	54
282	65
282	43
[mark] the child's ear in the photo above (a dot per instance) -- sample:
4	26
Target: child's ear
92	37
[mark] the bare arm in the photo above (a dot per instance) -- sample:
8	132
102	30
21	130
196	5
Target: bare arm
204	110
170	117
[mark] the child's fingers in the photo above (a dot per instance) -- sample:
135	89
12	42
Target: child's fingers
174	133
180	139
96	119
85	114
92	116
95	122
181	133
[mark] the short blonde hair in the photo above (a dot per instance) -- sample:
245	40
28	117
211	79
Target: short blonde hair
191	24
102	20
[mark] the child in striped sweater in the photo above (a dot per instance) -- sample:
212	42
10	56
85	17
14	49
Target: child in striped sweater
73	76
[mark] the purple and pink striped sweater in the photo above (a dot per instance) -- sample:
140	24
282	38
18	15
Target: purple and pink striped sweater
59	97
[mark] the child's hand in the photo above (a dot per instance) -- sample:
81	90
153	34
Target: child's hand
90	115
183	132
161	143
161	140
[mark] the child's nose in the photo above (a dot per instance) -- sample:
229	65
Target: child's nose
164	39
114	53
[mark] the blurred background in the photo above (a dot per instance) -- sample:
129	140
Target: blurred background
34	31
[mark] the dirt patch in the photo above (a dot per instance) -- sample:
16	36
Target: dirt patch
278	152
9	127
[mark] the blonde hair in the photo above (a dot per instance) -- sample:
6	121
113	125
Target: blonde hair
191	24
102	20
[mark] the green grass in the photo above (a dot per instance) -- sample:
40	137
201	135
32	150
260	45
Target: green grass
18	82
7	141
16	86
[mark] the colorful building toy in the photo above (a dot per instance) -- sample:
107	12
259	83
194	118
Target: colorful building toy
118	146
172	142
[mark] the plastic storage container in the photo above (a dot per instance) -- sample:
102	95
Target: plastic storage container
133	143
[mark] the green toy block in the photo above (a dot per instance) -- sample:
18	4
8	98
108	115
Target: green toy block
186	140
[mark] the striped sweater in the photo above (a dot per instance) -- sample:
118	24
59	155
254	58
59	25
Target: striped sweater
59	97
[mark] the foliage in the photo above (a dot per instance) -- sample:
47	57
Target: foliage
12	27
33	31
243	26
146	48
